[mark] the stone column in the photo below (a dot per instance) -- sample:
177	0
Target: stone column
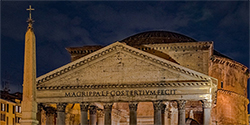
50	112
133	113
157	112
84	113
92	117
49	119
100	117
163	107
207	106
60	113
107	111
181	112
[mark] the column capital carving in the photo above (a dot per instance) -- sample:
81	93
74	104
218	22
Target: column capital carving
107	106
206	104
61	107
158	105
163	108
133	106
92	110
84	106
50	110
100	113
40	107
181	104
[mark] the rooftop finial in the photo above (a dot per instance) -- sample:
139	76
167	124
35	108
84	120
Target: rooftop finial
30	21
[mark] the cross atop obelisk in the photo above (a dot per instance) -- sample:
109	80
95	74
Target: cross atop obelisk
30	20
30	9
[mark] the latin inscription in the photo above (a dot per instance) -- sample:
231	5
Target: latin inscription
120	93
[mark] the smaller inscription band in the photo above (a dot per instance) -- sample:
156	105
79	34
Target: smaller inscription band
120	93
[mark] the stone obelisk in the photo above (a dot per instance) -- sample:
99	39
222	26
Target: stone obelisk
29	104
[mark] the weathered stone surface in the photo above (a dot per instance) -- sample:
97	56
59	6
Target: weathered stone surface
231	107
29	104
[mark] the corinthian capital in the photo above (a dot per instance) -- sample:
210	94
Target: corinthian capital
92	110
100	113
181	104
61	107
206	104
133	106
158	105
84	106
107	106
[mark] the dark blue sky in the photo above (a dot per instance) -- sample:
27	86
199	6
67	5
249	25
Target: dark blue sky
65	24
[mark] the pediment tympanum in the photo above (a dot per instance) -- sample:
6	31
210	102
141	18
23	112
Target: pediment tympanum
126	71
118	65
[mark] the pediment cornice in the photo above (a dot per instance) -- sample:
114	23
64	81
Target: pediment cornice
118	47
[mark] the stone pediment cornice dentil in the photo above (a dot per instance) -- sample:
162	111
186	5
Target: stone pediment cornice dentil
117	46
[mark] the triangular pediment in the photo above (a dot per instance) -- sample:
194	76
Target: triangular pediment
119	63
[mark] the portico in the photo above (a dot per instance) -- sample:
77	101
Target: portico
120	73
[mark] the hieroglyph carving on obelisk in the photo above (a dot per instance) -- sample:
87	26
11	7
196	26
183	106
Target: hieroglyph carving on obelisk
29	104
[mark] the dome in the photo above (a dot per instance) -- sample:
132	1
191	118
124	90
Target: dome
156	37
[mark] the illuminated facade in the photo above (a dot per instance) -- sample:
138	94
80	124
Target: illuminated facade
155	77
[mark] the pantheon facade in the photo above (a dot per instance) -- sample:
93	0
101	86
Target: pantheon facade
150	78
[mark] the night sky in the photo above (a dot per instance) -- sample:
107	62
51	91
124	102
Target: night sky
70	24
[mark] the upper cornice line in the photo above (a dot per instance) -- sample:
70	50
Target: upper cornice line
230	62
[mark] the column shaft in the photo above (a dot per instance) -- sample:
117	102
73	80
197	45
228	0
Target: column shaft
100	117
50	113
133	113
163	107
207	105
170	106
49	119
181	112
157	113
107	112
181	117
61	114
92	112
84	113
